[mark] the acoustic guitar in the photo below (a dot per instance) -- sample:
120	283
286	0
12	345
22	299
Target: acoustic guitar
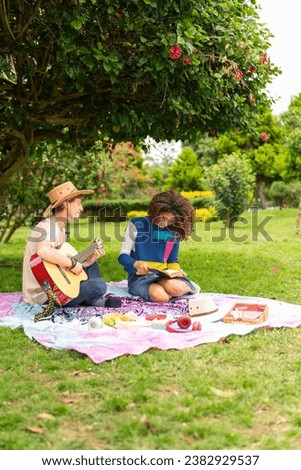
64	283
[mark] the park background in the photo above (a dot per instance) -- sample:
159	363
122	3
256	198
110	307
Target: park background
131	98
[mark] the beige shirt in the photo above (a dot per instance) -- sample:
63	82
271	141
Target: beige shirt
47	229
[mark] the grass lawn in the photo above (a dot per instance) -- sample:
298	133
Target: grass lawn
240	393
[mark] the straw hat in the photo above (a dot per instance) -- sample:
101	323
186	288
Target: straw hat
202	306
63	193
205	310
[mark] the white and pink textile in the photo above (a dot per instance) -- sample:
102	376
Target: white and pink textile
68	329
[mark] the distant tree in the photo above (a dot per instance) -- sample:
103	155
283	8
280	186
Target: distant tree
279	193
232	181
185	173
206	150
291	121
84	70
263	146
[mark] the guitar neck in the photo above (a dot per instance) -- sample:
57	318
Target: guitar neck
83	255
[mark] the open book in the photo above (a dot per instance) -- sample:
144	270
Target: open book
168	273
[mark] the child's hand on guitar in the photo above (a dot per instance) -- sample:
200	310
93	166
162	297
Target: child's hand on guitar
78	268
99	251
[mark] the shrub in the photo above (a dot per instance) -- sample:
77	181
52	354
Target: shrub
279	193
231	180
203	214
196	194
115	210
132	214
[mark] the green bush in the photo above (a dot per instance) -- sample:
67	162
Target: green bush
117	210
232	181
202	202
279	193
114	210
294	196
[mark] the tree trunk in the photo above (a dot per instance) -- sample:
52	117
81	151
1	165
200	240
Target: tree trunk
259	193
12	229
19	144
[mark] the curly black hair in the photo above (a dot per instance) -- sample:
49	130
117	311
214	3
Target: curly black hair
172	201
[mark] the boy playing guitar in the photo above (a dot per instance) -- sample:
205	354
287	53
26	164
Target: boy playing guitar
46	253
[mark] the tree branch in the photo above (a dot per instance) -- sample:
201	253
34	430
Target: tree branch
29	19
4	20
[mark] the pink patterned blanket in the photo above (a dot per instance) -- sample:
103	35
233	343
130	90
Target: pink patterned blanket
71	328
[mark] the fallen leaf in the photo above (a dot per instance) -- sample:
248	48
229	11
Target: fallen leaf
223	393
67	400
45	416
147	423
35	429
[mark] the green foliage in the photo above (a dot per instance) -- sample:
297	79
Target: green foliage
122	70
115	209
279	193
206	150
270	161
157	178
203	202
185	173
112	171
294	196
291	121
49	165
232	181
121	174
264	146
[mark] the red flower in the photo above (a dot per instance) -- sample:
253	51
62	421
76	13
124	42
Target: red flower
252	69
187	61
175	52
264	136
263	59
238	75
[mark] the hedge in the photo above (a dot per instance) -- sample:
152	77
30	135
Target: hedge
117	210
114	210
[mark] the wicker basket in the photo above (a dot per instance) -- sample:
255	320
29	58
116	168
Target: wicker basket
247	313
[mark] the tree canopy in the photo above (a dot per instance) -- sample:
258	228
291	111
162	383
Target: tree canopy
291	121
84	70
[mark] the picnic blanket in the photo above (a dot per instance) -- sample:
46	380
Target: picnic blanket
72	328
